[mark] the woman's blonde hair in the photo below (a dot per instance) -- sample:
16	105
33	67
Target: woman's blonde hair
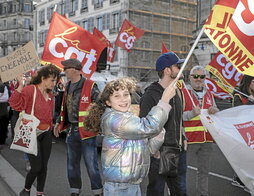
92	121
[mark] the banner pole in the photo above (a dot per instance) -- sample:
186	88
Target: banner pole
190	53
235	90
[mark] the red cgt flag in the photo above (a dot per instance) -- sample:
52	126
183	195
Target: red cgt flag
128	35
68	40
164	48
217	89
223	69
235	37
111	51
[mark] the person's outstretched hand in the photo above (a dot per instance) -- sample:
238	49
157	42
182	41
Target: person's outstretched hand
169	92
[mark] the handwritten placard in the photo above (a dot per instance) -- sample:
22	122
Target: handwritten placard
20	61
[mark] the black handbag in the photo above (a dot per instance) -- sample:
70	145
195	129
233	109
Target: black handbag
169	159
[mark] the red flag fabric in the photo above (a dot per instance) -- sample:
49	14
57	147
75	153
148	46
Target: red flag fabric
111	54
101	37
164	48
66	40
128	35
236	40
217	89
223	69
111	51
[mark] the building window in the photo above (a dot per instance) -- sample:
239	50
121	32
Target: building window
5	23
5	10
14	22
99	23
114	1
14	9
26	23
115	21
84	6
98	4
50	13
85	24
73	7
27	7
5	37
15	37
42	17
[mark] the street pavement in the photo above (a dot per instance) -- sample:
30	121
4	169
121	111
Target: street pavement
12	174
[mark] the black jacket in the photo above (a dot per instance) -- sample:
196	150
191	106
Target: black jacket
76	99
150	98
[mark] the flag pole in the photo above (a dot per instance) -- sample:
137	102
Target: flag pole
190	53
235	90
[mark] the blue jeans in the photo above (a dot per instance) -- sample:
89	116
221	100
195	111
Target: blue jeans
176	185
182	170
121	189
75	148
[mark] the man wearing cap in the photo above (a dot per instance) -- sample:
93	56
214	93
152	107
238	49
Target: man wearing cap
200	142
78	95
167	66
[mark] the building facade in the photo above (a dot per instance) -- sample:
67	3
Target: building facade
205	49
16	24
170	21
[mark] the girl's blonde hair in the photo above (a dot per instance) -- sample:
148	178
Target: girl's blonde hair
92	121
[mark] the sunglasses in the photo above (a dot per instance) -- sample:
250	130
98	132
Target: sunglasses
196	76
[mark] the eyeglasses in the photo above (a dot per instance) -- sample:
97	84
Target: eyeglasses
196	76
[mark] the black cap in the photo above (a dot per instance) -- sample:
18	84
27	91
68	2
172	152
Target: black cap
72	63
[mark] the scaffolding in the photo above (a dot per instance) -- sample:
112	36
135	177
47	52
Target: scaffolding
170	21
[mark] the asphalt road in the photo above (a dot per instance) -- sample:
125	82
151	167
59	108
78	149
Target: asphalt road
57	185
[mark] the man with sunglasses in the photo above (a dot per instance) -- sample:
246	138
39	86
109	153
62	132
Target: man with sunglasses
167	67
78	95
199	140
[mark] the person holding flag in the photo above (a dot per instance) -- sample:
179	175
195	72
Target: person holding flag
168	67
79	94
196	97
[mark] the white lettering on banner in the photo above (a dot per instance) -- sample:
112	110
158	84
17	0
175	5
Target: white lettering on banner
211	87
245	24
229	70
250	141
84	99
110	52
129	40
71	50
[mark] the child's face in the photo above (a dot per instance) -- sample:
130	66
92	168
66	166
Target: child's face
120	100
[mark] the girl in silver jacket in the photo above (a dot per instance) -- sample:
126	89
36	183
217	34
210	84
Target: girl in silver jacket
128	139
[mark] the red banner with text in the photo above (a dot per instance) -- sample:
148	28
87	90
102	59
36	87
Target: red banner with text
66	40
128	35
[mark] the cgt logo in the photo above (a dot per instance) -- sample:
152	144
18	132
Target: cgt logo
244	17
84	99
61	42
127	39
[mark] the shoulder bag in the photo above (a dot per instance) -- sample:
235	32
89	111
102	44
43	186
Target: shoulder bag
25	138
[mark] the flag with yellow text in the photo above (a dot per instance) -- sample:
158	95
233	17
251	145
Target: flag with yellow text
66	40
236	36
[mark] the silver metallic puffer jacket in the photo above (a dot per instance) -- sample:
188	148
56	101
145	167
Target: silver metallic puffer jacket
125	151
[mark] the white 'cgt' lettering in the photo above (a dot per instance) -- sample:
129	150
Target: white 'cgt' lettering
71	50
128	40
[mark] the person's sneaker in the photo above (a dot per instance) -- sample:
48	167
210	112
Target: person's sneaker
74	194
24	193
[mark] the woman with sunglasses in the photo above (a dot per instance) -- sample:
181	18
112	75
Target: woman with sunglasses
199	140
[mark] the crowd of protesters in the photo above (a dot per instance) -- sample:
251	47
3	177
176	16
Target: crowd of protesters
133	144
